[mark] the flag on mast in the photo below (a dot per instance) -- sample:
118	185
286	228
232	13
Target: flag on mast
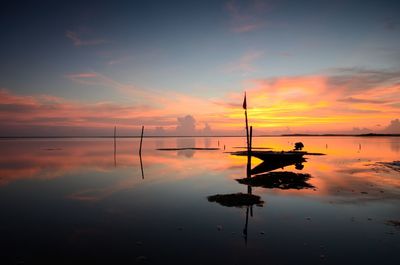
244	101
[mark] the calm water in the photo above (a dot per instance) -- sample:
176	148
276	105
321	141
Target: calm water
64	201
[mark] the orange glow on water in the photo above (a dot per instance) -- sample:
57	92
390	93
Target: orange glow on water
348	168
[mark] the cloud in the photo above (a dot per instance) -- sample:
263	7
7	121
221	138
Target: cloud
207	129
359	100
97	79
313	103
246	16
357	130
390	24
359	79
82	76
30	112
246	27
245	64
328	102
165	102
78	41
47	115
186	125
393	127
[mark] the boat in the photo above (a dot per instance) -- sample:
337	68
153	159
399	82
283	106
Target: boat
274	164
272	155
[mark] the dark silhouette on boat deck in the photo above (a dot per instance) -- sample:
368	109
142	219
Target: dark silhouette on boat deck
279	180
298	146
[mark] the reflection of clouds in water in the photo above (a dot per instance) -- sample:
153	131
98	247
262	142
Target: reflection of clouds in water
207	142
186	142
395	144
159	143
341	170
368	195
363	183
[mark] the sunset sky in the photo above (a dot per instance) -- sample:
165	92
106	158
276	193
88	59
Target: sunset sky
181	67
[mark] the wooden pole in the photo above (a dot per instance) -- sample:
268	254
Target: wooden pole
246	225
141	165
248	138
115	146
249	153
141	141
247	130
251	139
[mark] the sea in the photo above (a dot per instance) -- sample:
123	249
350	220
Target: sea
99	201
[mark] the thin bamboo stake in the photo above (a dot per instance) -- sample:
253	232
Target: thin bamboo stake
141	165
115	146
141	141
140	152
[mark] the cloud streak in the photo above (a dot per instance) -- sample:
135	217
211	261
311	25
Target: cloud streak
360	100
246	63
78	40
246	17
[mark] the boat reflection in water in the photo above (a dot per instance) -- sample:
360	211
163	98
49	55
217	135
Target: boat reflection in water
281	180
260	176
239	200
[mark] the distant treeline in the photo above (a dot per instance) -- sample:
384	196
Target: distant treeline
332	134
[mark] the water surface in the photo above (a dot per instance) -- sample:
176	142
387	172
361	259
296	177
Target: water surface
69	200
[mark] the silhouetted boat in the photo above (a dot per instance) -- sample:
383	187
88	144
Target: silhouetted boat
274	155
273	164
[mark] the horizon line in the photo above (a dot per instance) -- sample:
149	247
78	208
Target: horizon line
197	136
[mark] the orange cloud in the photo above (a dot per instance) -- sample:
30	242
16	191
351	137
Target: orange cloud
316	102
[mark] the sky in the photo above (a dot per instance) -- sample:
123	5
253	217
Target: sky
71	68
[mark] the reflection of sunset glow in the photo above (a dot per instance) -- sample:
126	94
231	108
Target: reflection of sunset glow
345	169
